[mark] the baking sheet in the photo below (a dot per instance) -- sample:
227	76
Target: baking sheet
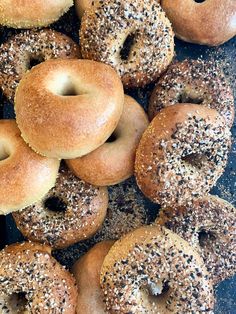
225	188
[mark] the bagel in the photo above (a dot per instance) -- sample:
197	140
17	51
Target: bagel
113	162
30	14
182	154
210	22
209	225
133	36
153	270
32	281
68	108
25	176
27	48
70	212
82	5
194	81
87	274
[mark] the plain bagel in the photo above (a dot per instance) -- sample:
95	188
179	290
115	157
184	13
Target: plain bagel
67	108
25	176
209	22
30	14
87	274
113	162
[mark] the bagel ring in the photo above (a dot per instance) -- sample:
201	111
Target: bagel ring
30	14
134	37
209	225
182	154
68	108
25	176
70	212
194	81
210	22
113	162
32	281
24	50
153	270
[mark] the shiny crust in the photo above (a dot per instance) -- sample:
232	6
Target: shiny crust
87	274
68	127
30	14
16	53
85	211
212	22
202	81
147	257
25	176
113	162
215	219
153	46
182	154
28	267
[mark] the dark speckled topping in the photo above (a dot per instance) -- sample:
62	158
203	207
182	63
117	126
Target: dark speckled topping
28	48
150	264
106	27
194	81
209	225
40	278
75	208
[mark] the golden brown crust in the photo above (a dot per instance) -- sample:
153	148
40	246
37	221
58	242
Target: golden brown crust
212	22
25	176
68	126
87	274
20	50
197	81
70	212
209	225
113	162
152	46
81	6
182	154
142	262
30	14
30	269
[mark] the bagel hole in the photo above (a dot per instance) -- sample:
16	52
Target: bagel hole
199	1
184	98
55	204
112	138
126	48
3	152
205	236
18	301
196	160
65	87
155	292
35	60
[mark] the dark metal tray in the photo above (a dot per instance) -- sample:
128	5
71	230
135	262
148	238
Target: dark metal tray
225	188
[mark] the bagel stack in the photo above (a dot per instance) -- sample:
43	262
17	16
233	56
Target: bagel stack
78	135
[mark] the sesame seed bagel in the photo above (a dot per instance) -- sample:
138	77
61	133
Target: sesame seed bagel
87	274
30	14
68	108
113	162
182	154
25	176
194	81
190	23
153	270
32	281
134	37
70	212
27	48
209	225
